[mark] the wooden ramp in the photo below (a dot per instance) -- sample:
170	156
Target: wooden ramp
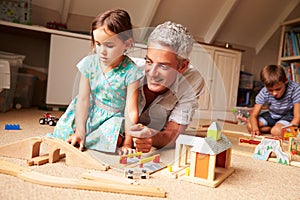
29	149
103	185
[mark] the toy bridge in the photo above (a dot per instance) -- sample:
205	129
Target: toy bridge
268	145
30	149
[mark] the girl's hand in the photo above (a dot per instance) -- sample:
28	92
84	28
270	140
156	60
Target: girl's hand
76	140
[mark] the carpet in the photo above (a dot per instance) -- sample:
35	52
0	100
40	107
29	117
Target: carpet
251	179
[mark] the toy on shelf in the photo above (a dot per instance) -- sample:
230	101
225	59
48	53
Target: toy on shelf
12	127
48	119
203	160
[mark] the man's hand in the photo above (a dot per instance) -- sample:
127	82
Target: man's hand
142	137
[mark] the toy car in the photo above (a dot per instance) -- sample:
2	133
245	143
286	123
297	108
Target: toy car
136	173
48	119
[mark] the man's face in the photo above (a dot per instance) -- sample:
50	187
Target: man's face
161	68
277	90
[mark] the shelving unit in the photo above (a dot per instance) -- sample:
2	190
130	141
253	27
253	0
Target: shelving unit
289	49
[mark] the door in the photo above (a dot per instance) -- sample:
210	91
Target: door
225	80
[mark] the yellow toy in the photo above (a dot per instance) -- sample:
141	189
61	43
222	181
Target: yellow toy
290	131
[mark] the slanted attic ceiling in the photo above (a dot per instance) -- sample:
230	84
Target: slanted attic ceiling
249	23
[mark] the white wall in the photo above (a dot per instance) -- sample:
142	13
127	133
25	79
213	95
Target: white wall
49	4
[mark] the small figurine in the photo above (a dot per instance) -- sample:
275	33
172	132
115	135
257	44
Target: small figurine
48	119
136	173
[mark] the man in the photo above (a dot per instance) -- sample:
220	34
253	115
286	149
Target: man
169	92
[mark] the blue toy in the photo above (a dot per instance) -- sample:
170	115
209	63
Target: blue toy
12	127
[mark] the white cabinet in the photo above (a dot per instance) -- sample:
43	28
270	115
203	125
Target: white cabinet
65	53
220	69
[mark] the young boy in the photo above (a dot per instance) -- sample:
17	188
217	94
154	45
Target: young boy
283	100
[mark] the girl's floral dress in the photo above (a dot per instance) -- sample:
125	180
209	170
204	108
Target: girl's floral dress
105	119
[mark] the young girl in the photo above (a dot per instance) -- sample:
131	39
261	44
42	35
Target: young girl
107	90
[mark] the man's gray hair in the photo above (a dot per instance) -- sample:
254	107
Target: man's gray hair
175	36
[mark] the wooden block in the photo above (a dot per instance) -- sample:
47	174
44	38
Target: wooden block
211	167
43	159
250	142
220	176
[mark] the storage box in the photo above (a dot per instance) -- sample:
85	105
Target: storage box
4	75
7	95
246	80
40	87
24	90
15	60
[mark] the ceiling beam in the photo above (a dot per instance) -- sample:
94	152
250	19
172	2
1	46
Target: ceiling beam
65	11
149	13
219	20
281	18
144	23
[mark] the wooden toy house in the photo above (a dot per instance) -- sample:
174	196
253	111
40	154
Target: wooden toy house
208	160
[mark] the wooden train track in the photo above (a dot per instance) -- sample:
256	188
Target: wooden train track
104	186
